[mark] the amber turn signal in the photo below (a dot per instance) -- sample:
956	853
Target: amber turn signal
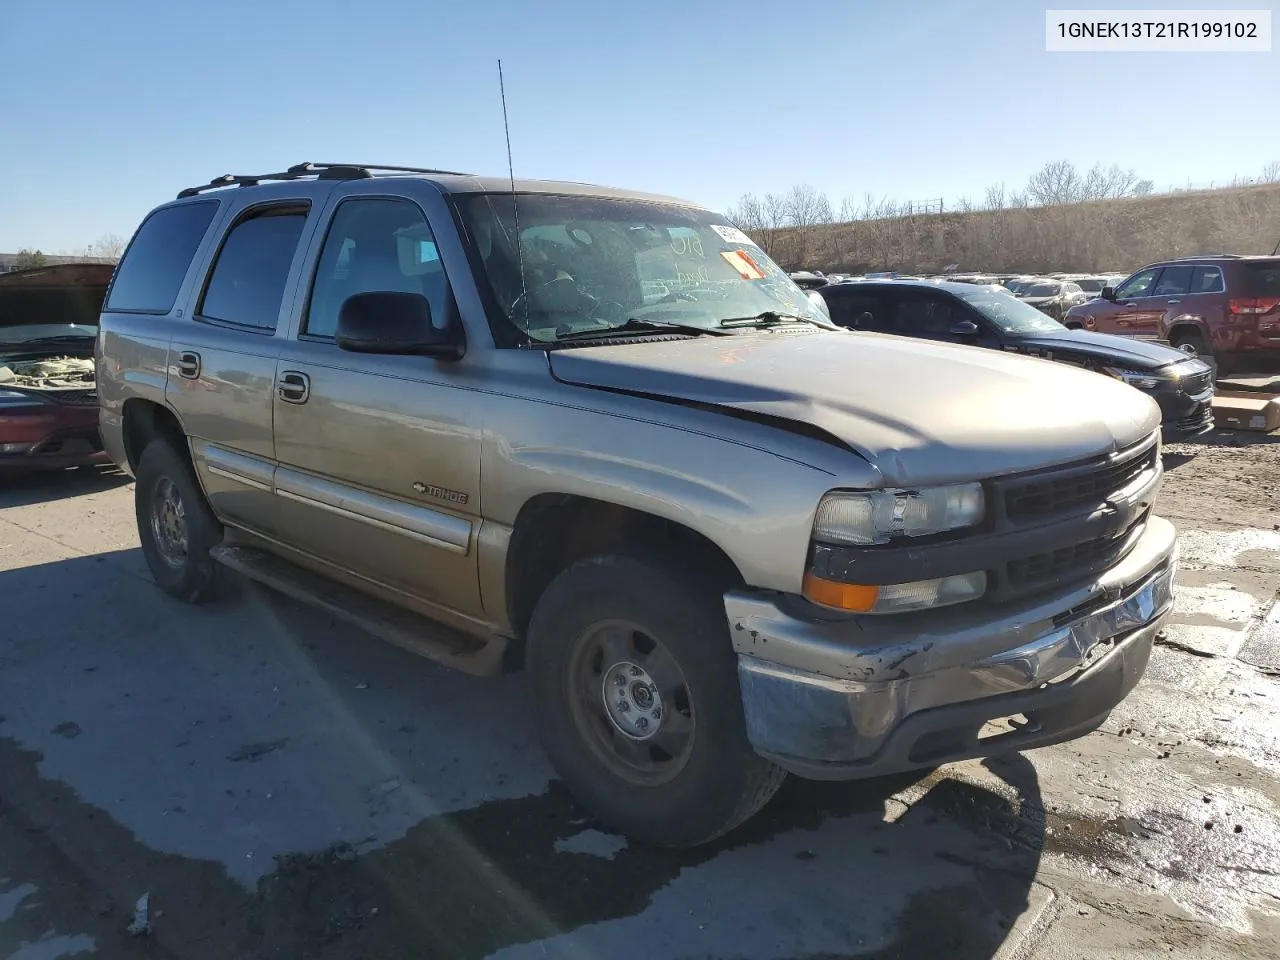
855	597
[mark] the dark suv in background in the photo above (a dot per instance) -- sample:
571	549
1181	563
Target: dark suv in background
965	314
1224	308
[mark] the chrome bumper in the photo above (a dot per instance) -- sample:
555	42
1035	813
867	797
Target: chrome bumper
857	697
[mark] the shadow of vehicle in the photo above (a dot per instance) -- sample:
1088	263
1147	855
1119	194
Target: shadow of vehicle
27	489
392	808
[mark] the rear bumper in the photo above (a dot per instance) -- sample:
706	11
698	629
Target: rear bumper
866	696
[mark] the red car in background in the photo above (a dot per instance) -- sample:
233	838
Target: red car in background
1223	308
48	400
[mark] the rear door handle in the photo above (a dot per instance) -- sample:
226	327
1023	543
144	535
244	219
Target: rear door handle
1175	301
189	365
294	387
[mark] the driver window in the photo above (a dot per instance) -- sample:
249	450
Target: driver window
1139	285
375	246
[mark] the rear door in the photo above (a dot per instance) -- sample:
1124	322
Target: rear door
379	469
1134	308
223	361
1202	305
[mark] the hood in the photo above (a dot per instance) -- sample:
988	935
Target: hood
1125	351
67	293
921	412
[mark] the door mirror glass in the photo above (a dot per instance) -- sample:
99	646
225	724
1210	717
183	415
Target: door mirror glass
964	328
392	323
1108	293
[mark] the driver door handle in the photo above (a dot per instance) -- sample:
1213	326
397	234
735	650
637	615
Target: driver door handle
1175	301
189	365
294	387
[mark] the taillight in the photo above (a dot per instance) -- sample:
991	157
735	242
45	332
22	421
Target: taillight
1253	305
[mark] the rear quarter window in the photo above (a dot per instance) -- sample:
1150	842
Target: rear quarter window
154	266
1260	279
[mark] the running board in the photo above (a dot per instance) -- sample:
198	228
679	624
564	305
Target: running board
404	628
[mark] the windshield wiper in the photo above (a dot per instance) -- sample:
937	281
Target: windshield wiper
771	318
636	327
68	338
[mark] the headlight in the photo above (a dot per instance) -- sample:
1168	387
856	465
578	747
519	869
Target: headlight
878	516
1135	378
16	398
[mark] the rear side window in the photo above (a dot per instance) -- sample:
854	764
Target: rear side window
148	279
247	284
1206	280
1260	279
858	312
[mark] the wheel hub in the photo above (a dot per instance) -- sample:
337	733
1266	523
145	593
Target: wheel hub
631	701
169	522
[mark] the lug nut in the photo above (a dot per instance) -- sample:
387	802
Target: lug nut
635	671
620	681
642	723
624	706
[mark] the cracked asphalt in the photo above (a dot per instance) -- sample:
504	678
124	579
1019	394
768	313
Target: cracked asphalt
282	786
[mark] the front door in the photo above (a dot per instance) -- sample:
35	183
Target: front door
223	364
379	456
1170	298
1135	308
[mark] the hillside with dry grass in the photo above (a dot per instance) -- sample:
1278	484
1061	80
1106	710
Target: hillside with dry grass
1103	220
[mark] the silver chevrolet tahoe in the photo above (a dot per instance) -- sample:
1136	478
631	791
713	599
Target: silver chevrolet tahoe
600	436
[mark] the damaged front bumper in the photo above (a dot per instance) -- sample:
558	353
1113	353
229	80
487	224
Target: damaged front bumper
866	696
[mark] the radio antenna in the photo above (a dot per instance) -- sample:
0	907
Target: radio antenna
515	208
1277	249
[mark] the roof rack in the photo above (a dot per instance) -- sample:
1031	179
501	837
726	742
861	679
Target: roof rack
1208	256
321	171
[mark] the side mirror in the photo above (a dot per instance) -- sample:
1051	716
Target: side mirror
1108	293
964	328
393	323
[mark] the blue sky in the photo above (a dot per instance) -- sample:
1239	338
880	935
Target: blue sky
112	107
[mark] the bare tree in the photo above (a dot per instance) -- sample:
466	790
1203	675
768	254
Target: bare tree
1271	172
995	198
109	246
27	259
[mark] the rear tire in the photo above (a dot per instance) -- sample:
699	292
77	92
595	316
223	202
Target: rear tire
635	696
175	525
1192	340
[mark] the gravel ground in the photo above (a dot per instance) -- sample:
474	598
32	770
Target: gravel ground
282	787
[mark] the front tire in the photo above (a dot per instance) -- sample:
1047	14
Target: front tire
636	698
175	525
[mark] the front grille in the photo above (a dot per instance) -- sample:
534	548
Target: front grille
1084	485
1197	383
77	398
1068	563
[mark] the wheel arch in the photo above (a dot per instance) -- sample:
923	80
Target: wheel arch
143	421
553	530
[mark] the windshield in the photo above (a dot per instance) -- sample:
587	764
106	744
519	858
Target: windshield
1010	315
592	264
1091	284
42	331
1043	290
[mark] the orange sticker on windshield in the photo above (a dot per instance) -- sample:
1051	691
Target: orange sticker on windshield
740	261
